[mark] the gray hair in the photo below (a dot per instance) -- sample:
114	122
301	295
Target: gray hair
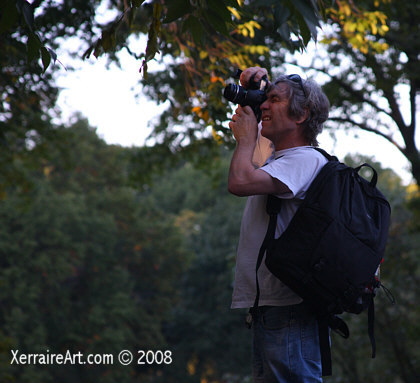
312	99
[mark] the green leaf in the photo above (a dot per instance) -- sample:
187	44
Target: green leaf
137	3
219	7
230	3
309	13
304	30
152	40
98	49
312	29
53	55
88	52
321	7
154	32
263	3
193	25
28	14
284	31
46	57
216	22
281	14
33	46
9	16
108	40
177	9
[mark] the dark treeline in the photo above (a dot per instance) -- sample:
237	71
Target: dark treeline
94	262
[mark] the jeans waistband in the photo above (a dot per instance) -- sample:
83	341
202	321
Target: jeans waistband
299	309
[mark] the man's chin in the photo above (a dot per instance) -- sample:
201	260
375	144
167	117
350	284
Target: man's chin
265	131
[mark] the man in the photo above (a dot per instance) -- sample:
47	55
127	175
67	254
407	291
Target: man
285	343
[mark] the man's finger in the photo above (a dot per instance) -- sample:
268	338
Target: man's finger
257	72
247	109
260	74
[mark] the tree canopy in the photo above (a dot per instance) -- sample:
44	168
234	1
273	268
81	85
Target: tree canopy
85	266
364	84
200	43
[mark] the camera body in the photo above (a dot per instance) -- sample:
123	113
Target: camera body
253	97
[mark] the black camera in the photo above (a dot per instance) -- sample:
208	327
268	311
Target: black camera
254	96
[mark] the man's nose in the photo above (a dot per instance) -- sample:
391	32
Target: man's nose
264	105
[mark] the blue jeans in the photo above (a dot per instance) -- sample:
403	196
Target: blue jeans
286	345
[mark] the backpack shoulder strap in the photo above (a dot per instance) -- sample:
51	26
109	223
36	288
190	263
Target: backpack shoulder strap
328	156
273	207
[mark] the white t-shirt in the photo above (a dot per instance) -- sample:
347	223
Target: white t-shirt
296	167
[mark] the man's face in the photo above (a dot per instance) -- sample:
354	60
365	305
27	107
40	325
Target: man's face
277	125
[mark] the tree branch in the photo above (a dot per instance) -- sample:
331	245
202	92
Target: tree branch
413	92
389	95
366	128
348	88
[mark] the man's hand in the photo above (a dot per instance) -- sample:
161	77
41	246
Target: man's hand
244	125
249	72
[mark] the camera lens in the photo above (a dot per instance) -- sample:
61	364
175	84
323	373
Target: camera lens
252	97
235	94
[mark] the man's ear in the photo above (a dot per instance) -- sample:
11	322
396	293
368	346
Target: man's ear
302	119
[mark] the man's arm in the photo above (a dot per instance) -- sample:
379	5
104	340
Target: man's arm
244	179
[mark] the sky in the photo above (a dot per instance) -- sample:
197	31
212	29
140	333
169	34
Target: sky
106	96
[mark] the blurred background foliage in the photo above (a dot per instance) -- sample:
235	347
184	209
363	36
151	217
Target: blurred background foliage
93	264
105	248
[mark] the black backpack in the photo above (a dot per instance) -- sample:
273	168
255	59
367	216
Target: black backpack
332	248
